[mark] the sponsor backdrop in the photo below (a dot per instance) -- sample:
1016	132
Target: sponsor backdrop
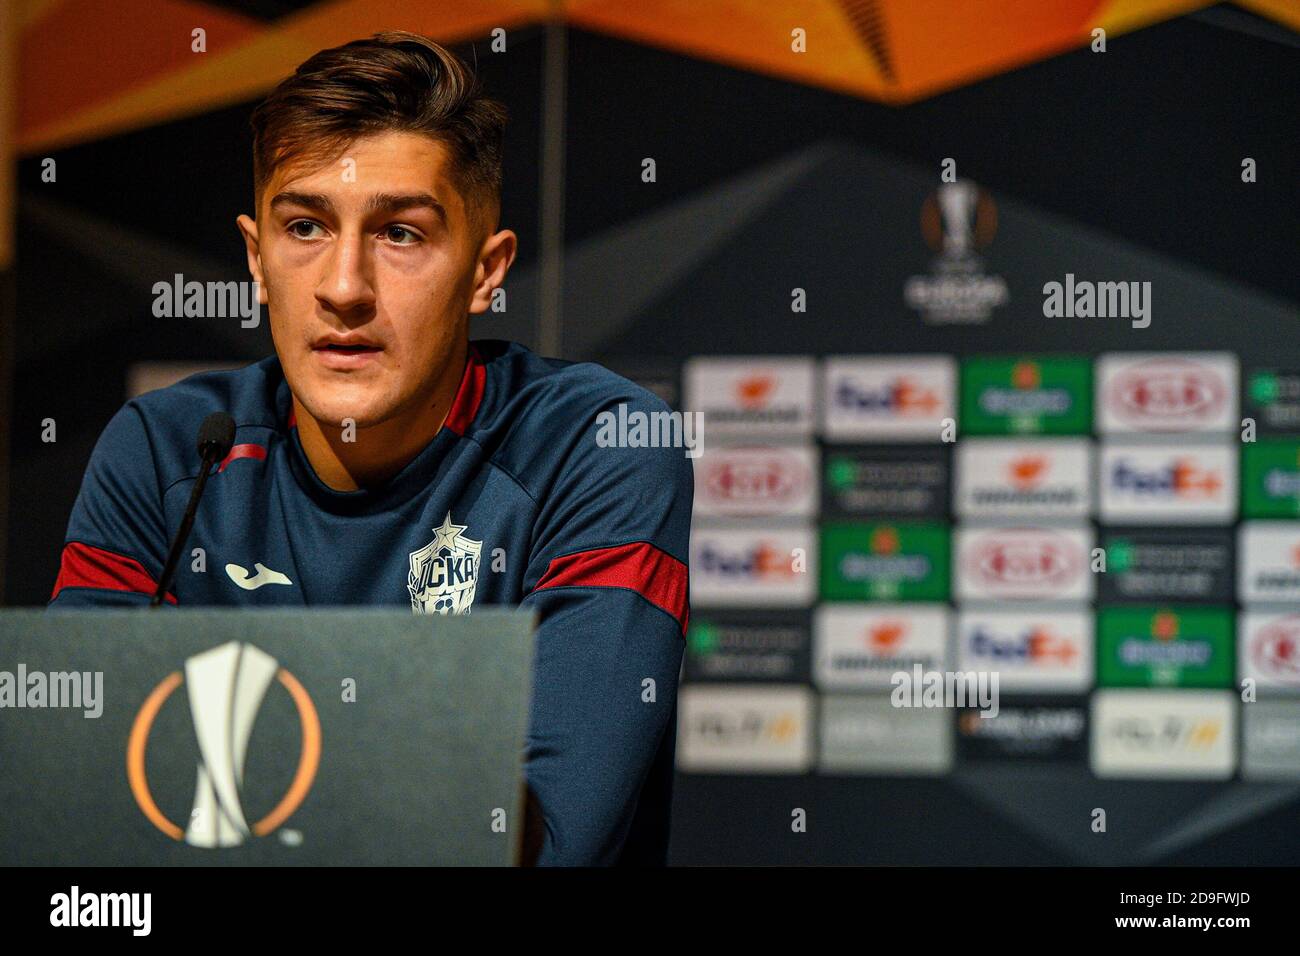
929	405
1003	575
1103	532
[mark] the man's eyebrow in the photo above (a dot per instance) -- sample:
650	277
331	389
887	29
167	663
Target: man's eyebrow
387	203
393	202
315	201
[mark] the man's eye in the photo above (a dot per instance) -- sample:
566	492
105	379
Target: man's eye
302	228
400	235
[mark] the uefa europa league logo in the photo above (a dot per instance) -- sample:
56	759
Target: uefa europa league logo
957	209
226	686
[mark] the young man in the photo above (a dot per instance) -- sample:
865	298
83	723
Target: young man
381	458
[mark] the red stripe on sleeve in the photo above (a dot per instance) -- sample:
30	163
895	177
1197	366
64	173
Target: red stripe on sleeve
658	577
85	566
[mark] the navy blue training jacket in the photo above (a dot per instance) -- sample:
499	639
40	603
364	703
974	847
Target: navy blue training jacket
512	503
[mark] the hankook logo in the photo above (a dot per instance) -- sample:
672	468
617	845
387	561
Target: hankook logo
226	687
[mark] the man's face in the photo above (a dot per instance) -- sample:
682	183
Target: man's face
370	267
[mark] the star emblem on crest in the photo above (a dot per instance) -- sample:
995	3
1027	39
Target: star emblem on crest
446	536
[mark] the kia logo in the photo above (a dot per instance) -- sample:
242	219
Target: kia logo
1277	649
1166	392
754	480
1026	563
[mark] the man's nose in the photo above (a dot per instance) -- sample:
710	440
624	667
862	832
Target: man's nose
346	285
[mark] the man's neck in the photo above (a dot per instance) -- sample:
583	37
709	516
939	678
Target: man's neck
374	454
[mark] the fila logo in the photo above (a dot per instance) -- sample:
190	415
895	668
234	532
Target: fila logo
248	582
226	686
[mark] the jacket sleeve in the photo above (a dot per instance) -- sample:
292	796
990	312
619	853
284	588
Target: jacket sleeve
607	576
116	543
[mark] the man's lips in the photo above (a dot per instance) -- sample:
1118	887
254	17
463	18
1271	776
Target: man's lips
345	356
334	347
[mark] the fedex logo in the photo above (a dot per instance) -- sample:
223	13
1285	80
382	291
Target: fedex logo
1182	478
1037	645
902	398
745	568
1032	652
761	560
1188	483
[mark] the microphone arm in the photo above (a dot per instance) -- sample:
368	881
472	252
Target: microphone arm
216	436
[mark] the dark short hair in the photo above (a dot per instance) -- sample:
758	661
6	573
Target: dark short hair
393	81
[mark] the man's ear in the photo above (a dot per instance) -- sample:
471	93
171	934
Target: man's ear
495	258
248	228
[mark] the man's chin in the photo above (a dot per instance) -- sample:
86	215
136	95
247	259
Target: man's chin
340	413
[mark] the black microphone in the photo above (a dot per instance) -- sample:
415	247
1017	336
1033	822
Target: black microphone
216	435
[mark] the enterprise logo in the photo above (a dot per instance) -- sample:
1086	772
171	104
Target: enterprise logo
1042	477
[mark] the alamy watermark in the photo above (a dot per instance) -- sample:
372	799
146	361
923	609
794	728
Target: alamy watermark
638	429
58	689
133	911
1083	299
922	688
208	300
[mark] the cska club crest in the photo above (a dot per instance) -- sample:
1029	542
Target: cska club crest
444	572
